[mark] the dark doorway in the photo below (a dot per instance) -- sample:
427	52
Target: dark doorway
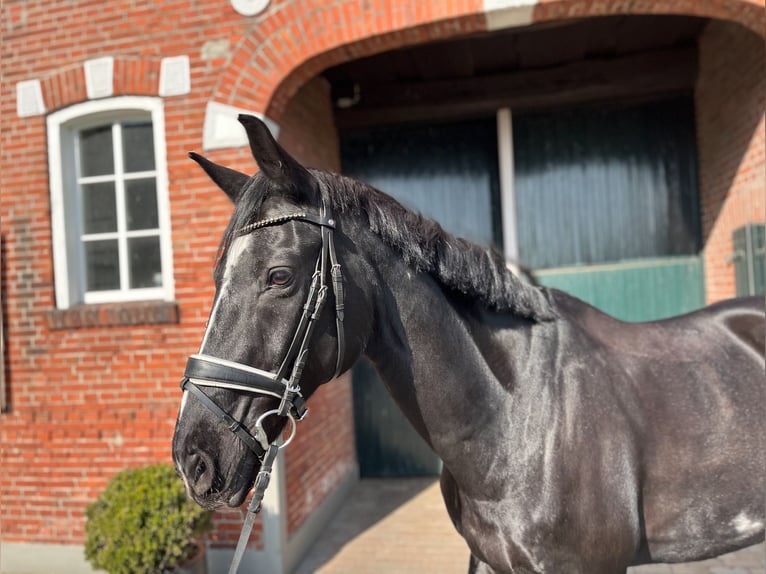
447	172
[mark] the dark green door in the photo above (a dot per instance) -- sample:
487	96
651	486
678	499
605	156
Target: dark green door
447	172
608	206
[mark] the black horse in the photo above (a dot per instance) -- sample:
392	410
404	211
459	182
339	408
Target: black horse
572	442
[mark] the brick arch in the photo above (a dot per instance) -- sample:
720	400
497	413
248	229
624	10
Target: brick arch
286	48
132	77
749	13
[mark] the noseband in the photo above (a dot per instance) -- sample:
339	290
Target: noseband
207	371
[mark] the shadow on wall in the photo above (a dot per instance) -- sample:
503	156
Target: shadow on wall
729	100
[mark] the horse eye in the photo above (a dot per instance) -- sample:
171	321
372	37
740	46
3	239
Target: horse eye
279	277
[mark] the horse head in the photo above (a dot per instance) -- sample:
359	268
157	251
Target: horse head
284	320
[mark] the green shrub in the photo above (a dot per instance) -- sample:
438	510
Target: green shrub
143	523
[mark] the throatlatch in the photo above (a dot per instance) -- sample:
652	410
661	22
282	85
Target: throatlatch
207	371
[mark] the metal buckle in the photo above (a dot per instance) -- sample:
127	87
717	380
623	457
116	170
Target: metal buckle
300	415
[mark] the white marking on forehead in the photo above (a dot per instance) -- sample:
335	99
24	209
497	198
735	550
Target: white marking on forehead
237	248
745	525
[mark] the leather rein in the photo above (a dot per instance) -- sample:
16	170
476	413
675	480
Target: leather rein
208	371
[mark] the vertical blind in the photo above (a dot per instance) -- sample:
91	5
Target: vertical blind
606	184
447	172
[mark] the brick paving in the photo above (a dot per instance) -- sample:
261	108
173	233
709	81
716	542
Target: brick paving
400	526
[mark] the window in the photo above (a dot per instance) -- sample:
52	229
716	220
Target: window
111	229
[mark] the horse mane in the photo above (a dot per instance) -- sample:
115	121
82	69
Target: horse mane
461	266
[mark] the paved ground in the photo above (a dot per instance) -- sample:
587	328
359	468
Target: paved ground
401	527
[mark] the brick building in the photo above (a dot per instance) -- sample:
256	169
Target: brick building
109	232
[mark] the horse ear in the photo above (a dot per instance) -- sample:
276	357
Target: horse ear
274	162
230	181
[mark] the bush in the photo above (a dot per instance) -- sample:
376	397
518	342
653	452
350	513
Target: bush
143	523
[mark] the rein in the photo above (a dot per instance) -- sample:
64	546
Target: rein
207	371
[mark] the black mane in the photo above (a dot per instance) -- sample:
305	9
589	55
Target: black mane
461	266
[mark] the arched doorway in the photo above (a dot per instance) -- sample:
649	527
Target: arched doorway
592	126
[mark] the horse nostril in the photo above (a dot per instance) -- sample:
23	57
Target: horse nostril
199	469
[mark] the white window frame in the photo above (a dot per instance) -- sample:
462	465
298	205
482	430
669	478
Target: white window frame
68	256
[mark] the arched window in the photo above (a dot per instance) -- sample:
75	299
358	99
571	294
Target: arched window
109	202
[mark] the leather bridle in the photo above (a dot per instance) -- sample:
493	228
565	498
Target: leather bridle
207	371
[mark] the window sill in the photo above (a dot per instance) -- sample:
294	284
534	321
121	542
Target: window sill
113	315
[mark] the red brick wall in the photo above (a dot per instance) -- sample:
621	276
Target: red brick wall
308	127
730	103
87	402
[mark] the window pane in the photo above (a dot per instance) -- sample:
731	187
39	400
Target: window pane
99	210
141	200
145	264
96	156
102	265
138	146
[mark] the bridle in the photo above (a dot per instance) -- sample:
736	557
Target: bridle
207	371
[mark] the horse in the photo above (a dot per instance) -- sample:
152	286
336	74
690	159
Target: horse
571	442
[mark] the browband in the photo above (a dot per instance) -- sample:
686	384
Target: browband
321	221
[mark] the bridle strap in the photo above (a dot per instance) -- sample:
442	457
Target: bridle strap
213	372
337	287
219	373
322	221
261	483
212	369
317	290
308	311
230	423
208	371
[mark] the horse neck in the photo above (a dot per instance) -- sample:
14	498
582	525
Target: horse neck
449	370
